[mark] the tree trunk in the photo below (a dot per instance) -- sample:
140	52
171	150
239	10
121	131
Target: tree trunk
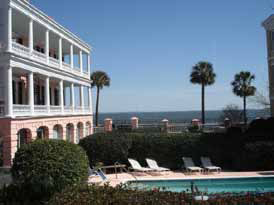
245	118
203	104
97	107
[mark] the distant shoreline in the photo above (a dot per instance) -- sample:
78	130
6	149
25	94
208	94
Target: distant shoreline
175	116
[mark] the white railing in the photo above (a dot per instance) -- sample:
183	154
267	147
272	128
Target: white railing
54	62
78	109
55	109
2	110
68	109
20	49
39	56
21	110
40	109
86	109
66	66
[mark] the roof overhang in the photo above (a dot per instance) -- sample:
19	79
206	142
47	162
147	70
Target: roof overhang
268	24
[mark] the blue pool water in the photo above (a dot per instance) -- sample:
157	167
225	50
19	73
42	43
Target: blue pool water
235	185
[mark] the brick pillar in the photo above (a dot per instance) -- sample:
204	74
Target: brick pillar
108	125
9	134
165	124
134	122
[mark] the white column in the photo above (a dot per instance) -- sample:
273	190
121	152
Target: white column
31	93
81	60
30	35
47	45
61	95
53	95
71	57
60	53
72	95
47	94
9	91
82	96
9	30
90	98
88	65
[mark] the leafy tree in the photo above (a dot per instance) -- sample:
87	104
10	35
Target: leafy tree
202	73
99	80
232	112
242	87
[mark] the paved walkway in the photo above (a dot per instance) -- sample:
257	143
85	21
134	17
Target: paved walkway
123	177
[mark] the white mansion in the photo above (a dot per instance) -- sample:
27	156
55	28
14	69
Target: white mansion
44	79
268	24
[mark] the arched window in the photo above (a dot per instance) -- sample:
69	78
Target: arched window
80	131
57	132
23	137
88	129
42	132
70	132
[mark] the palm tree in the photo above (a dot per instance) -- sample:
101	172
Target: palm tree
99	80
242	87
202	73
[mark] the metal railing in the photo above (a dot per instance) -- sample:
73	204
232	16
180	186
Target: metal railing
55	109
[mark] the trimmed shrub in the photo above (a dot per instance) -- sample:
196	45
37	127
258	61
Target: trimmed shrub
97	195
46	166
227	150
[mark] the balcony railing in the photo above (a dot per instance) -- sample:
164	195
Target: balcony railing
39	56
40	109
21	110
2	110
25	110
20	49
66	66
55	109
54	62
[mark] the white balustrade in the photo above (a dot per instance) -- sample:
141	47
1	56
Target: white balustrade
55	109
68	109
39	56
20	49
40	109
2	110
54	62
78	109
21	110
66	66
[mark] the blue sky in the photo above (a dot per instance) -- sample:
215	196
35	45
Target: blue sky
149	46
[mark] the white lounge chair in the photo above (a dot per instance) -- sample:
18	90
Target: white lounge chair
154	165
137	167
97	172
190	166
207	164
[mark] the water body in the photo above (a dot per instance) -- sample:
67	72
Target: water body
177	116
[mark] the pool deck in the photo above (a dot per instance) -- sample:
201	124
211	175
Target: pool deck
173	175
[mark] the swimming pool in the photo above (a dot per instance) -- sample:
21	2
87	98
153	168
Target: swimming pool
216	185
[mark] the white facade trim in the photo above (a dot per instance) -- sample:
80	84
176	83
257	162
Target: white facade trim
38	16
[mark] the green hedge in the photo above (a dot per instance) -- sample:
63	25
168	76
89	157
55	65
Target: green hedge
227	150
96	195
44	167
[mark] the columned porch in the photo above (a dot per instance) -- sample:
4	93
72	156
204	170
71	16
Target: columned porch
32	94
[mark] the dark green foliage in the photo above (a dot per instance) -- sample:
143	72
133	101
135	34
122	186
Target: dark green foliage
46	166
227	150
98	195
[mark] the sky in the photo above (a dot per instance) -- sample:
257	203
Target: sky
148	48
